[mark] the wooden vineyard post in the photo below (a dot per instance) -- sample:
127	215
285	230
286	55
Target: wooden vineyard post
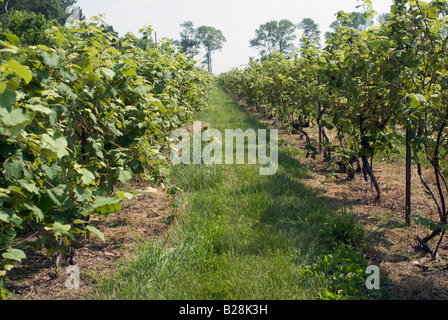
408	174
319	124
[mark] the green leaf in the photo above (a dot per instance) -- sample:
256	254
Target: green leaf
17	190
107	205
42	47
56	145
112	50
52	198
61	228
7	98
30	186
68	75
53	171
16	220
96	232
14	118
104	206
14	170
109	74
39	108
82	195
157	103
130	62
12	38
66	91
130	72
431	224
83	66
34	209
47	201
141	90
59	191
124	195
97	44
5	217
124	175
50	61
86	176
14	254
22	71
8	265
78	221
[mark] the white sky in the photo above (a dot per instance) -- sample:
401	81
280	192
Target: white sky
237	19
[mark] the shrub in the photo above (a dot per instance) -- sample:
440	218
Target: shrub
29	27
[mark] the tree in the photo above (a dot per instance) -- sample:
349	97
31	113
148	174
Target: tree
310	30
75	15
212	39
5	5
274	36
59	10
29	27
383	17
356	20
188	38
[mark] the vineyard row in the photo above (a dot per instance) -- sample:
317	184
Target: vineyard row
368	88
79	114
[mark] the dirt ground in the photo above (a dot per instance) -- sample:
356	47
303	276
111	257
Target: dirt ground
141	218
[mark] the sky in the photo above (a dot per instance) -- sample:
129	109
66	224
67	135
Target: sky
237	19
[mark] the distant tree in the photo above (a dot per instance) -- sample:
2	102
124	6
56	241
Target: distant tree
29	27
212	39
140	42
383	17
58	10
130	38
310	30
5	6
76	14
148	38
188	38
355	20
274	36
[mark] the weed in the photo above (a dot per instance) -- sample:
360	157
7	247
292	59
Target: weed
343	228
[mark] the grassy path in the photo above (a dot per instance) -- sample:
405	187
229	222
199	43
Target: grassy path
246	236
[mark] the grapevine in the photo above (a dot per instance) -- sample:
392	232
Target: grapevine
80	113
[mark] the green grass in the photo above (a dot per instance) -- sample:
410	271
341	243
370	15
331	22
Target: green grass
246	236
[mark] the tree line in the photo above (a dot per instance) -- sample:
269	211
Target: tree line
279	36
272	36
